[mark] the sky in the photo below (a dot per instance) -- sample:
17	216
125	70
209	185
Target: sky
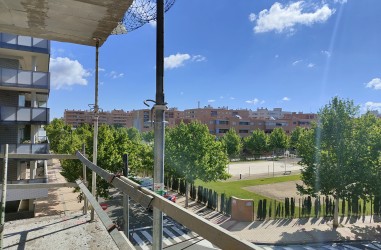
243	54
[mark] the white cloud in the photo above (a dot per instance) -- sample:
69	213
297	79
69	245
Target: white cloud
340	1
286	99
276	56
114	75
221	97
178	60
254	101
326	53
175	61
101	69
211	100
296	62
375	83
252	17
281	18
66	72
198	58
373	106
311	65
232	98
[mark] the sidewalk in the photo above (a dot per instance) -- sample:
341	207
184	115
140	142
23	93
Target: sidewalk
293	231
60	201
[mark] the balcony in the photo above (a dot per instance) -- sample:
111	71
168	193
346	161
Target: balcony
26	43
24	115
26	148
24	79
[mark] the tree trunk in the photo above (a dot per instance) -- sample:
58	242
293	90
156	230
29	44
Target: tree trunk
186	193
336	213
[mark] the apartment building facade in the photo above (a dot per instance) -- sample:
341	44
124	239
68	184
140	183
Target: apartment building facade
218	120
24	92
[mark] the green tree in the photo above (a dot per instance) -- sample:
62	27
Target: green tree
327	150
148	136
113	142
193	153
256	143
278	140
55	131
294	138
233	143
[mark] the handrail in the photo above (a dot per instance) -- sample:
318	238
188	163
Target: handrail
211	232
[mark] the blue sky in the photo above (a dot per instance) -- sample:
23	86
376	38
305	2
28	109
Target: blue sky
296	55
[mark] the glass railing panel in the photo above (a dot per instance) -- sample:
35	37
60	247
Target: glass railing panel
23	149
39	114
9	38
24	77
8	113
40	78
40	43
25	41
23	114
42	148
8	76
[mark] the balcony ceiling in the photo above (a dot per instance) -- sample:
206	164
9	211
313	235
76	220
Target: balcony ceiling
74	21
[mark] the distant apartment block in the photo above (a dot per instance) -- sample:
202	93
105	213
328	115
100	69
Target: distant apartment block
24	92
218	120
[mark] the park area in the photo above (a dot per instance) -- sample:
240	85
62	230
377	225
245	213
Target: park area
274	192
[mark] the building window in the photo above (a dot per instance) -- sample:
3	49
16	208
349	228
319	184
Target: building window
243	131
244	123
213	113
222	131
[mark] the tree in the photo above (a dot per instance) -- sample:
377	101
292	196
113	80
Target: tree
278	140
256	143
294	138
232	142
113	142
326	152
192	153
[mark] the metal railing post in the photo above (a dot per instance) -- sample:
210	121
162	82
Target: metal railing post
3	197
126	202
85	202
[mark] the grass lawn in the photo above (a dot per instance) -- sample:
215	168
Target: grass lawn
235	188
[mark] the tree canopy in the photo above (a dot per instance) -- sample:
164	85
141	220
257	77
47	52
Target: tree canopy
233	143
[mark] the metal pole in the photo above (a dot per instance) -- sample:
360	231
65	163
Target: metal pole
85	203
95	140
3	197
158	178
126	202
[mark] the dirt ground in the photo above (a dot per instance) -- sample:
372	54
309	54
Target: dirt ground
276	191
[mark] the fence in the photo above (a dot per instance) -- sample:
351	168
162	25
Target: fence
300	207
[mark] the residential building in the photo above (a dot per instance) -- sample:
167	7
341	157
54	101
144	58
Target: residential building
218	120
24	92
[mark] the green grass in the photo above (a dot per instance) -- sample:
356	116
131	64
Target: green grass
235	188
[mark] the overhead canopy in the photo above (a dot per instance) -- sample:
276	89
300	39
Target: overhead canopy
74	21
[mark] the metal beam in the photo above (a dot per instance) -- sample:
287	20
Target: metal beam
122	183
211	232
118	237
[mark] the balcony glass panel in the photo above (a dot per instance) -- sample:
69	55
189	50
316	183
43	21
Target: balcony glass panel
40	43
9	38
39	114
23	114
7	113
24	77
25	41
27	148
8	76
40	79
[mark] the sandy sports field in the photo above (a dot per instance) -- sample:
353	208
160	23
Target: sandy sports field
277	191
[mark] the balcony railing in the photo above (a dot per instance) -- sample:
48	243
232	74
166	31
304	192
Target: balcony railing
26	148
24	114
24	78
24	43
